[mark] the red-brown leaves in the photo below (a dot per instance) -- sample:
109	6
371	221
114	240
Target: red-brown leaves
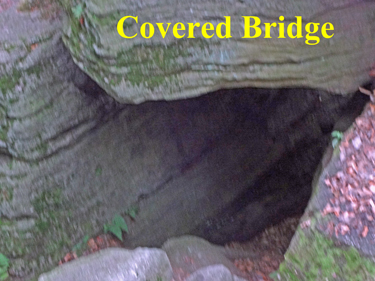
353	187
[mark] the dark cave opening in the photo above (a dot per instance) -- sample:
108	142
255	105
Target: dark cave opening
224	166
268	142
300	121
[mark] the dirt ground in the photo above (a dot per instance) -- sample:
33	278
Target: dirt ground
270	246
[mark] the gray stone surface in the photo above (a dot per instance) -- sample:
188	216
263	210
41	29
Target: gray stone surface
137	70
38	78
187	165
189	254
213	273
71	157
186	258
141	264
317	249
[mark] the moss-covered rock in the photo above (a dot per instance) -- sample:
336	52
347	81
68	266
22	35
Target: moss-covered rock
65	170
320	252
312	256
139	69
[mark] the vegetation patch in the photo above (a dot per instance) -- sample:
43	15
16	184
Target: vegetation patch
4	265
52	221
337	137
8	82
318	258
116	227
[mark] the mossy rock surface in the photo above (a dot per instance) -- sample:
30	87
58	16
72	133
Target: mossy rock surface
71	157
318	251
312	256
139	69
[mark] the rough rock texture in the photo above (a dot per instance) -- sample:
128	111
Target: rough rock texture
328	245
136	70
72	157
189	254
37	76
192	166
185	258
141	264
213	273
185	167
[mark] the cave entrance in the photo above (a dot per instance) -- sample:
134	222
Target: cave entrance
222	166
273	140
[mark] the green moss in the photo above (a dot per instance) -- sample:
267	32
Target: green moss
53	231
42	148
48	8
36	70
7	47
4	134
109	19
317	258
65	4
52	222
50	199
8	82
42	226
142	65
12	101
6	194
157	64
4	222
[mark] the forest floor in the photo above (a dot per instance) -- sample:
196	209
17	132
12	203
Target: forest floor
270	246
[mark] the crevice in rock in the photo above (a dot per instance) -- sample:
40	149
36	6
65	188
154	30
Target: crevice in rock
231	162
285	188
282	189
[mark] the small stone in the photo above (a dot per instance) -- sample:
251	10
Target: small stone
357	142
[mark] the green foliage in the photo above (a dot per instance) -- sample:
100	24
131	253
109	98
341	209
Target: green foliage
48	198
77	11
337	137
78	247
8	82
273	275
132	212
117	226
4	265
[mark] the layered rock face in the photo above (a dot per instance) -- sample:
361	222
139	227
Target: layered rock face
221	166
140	69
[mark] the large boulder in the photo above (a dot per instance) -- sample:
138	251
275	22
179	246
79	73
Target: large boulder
141	264
139	69
336	235
185	258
